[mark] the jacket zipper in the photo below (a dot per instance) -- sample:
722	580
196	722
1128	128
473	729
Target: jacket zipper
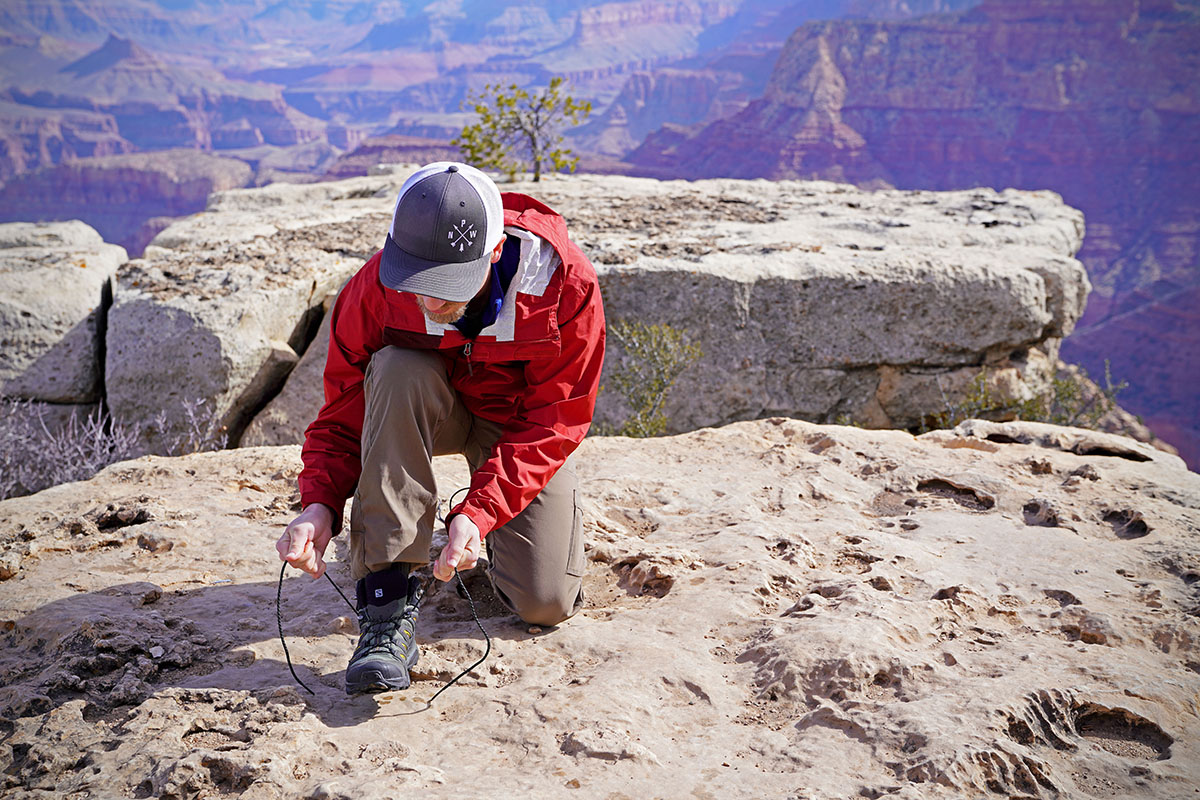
467	353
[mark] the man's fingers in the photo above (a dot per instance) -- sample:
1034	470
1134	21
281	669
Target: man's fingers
444	567
304	541
450	558
299	539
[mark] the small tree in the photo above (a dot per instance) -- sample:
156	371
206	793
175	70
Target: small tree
516	128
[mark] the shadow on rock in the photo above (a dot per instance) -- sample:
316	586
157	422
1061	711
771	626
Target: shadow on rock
123	644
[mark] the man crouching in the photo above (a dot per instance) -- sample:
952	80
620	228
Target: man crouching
477	329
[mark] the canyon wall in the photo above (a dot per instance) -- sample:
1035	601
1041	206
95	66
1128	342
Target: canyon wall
121	196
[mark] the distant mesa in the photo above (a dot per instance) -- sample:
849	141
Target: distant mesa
117	194
391	149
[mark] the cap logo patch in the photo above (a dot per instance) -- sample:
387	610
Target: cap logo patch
379	592
462	235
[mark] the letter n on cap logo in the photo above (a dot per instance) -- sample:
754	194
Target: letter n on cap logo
462	235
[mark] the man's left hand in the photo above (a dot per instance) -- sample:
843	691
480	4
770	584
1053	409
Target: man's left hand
461	552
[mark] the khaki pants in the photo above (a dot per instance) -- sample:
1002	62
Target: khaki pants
535	562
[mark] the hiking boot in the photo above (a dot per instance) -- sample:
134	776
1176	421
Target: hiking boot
387	620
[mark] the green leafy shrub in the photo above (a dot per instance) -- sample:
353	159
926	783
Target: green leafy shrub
516	129
1074	401
1078	401
652	356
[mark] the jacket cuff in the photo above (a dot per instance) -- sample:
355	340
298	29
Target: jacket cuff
482	521
329	501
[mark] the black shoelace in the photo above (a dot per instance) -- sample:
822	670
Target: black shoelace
462	587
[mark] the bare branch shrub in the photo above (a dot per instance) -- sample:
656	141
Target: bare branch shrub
36	455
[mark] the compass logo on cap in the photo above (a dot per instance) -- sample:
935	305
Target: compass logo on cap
448	218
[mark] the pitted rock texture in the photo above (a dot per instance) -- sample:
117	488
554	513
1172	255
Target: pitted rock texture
55	284
774	608
809	299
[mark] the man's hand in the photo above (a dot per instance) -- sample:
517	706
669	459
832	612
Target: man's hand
461	552
303	543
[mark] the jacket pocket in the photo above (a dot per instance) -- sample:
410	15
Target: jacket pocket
515	351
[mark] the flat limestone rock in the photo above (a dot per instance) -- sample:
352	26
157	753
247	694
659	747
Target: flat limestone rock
774	609
806	298
55	279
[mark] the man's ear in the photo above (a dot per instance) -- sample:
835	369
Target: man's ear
499	249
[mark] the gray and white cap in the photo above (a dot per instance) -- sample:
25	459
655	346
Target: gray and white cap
447	221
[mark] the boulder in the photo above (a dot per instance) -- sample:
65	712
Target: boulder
55	285
209	315
823	301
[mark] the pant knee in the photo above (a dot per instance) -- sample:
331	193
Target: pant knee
546	611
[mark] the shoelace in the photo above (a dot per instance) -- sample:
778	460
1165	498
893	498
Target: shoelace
461	585
377	637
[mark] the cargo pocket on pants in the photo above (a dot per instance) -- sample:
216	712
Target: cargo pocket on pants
576	563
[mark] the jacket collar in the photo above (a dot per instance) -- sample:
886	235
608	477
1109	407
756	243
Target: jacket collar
538	218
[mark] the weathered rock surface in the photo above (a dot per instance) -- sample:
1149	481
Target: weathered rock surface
786	609
820	300
814	300
55	284
210	312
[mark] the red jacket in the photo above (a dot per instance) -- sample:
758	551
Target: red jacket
535	371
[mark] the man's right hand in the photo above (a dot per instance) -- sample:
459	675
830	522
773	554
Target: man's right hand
303	543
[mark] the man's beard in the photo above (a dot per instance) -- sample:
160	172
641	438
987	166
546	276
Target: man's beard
444	317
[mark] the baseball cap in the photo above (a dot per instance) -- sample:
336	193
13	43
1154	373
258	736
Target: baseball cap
447	221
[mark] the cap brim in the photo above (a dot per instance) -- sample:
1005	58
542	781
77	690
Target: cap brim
455	282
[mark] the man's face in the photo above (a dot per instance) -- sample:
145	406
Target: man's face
444	312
